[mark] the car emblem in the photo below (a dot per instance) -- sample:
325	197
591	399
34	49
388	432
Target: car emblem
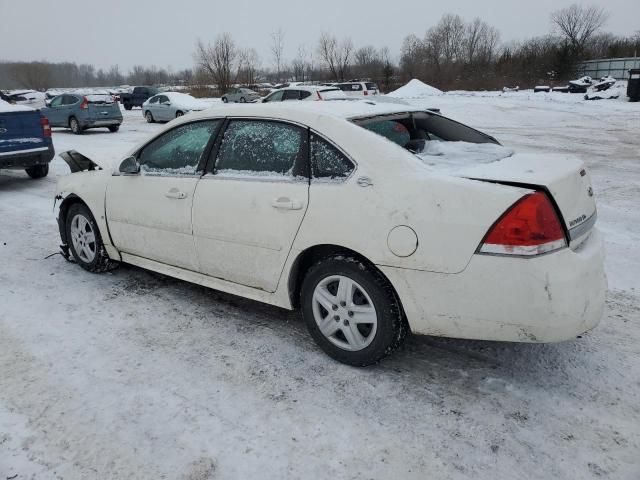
590	191
3	130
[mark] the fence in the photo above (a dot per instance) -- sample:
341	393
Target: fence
618	68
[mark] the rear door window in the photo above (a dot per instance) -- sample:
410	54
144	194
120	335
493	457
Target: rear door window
258	148
69	100
304	94
371	86
291	95
327	162
275	97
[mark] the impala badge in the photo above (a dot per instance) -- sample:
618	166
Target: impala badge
590	191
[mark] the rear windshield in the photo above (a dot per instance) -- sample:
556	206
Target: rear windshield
371	86
434	138
99	98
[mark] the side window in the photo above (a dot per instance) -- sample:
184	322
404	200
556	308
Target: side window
291	95
56	102
262	149
327	162
163	99
69	100
178	151
304	94
275	97
154	99
356	87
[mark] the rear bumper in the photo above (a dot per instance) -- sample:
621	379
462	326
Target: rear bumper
27	158
101	123
550	298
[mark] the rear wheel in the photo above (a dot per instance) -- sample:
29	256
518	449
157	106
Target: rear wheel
74	125
84	240
128	106
242	100
114	128
38	171
149	117
351	311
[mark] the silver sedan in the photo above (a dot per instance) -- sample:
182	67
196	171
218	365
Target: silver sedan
164	107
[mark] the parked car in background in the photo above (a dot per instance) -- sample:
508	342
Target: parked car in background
4	97
25	140
80	112
241	95
323	206
137	97
304	92
358	89
30	98
169	105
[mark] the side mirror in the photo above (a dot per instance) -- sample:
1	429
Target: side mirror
129	166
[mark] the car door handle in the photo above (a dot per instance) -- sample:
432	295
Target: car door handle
175	193
285	203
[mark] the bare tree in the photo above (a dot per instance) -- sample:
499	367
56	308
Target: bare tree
577	24
336	56
248	63
218	60
35	75
277	49
302	65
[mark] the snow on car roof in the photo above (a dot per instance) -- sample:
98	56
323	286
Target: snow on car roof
336	108
8	107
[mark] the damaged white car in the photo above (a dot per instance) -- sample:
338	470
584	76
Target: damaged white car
373	219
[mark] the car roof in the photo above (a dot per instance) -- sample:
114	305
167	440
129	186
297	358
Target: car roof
309	88
308	111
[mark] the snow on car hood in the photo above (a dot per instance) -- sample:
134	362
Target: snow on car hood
452	156
6	107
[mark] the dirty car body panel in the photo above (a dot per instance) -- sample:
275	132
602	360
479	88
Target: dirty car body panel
425	229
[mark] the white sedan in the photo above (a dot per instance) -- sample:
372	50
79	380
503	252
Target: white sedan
374	220
166	106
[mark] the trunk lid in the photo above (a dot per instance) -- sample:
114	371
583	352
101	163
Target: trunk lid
102	107
565	179
21	130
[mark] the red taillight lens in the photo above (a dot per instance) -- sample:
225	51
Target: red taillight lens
85	103
46	128
530	227
366	93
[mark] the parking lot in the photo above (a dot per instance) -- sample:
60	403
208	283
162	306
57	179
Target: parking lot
136	375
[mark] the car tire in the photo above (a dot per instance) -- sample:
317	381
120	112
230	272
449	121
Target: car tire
224	100
74	125
114	128
243	100
84	240
382	326
179	114
149	117
128	106
38	171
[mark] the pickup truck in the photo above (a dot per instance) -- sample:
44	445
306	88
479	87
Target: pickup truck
25	140
137	97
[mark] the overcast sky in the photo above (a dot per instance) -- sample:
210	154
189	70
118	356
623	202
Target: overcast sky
164	32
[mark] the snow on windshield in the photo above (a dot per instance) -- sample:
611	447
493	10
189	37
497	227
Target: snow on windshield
442	154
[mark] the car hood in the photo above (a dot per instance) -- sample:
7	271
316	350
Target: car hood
80	161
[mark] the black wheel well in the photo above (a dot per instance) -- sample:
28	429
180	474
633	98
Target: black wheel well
63	211
309	257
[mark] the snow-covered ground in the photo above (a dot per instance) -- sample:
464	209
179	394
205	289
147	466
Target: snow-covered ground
139	376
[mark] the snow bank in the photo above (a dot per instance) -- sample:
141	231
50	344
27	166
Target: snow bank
415	89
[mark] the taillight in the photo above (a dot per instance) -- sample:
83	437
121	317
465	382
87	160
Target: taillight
46	128
85	103
366	93
529	227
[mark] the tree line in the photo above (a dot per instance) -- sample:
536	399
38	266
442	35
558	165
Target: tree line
453	54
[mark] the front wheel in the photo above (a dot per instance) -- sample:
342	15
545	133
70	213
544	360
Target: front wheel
84	240
179	114
149	117
224	100
351	311
128	106
114	128
243	100
38	171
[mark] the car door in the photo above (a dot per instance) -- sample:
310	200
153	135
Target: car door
152	106
54	112
162	107
247	210
149	213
